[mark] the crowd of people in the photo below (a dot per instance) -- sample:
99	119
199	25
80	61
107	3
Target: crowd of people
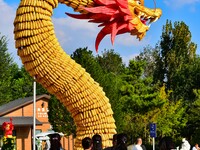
167	143
119	142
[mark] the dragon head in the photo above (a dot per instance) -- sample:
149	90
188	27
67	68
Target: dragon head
118	17
142	17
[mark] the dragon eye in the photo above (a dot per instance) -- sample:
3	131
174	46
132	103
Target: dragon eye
138	2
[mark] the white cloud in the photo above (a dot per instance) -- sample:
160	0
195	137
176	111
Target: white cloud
73	33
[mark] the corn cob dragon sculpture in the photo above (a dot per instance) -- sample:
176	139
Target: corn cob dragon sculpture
45	60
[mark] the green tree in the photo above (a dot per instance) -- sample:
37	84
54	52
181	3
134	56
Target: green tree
187	79
85	58
6	68
175	51
194	118
144	102
149	56
138	98
113	68
111	62
22	84
60	118
171	119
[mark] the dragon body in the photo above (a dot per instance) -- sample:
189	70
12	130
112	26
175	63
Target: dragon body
47	62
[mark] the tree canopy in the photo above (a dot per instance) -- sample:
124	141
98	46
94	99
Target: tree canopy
6	65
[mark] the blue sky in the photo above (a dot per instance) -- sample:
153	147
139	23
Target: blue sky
73	33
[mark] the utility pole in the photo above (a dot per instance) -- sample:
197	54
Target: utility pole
34	111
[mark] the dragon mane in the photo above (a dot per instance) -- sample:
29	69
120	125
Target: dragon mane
113	15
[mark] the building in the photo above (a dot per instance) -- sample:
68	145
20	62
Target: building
21	112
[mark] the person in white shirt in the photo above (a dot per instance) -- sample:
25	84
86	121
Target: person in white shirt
138	144
185	145
196	147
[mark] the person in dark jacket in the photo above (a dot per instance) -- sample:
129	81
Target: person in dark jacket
97	142
122	139
114	142
87	143
55	142
166	143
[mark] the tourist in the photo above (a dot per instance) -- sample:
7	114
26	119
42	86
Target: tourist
185	144
87	143
114	143
55	142
166	143
138	144
97	142
121	142
195	147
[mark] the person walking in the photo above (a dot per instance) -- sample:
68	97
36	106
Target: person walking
138	144
185	144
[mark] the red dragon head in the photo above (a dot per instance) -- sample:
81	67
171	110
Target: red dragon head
118	17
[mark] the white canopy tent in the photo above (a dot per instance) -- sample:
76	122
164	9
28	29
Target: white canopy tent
45	135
